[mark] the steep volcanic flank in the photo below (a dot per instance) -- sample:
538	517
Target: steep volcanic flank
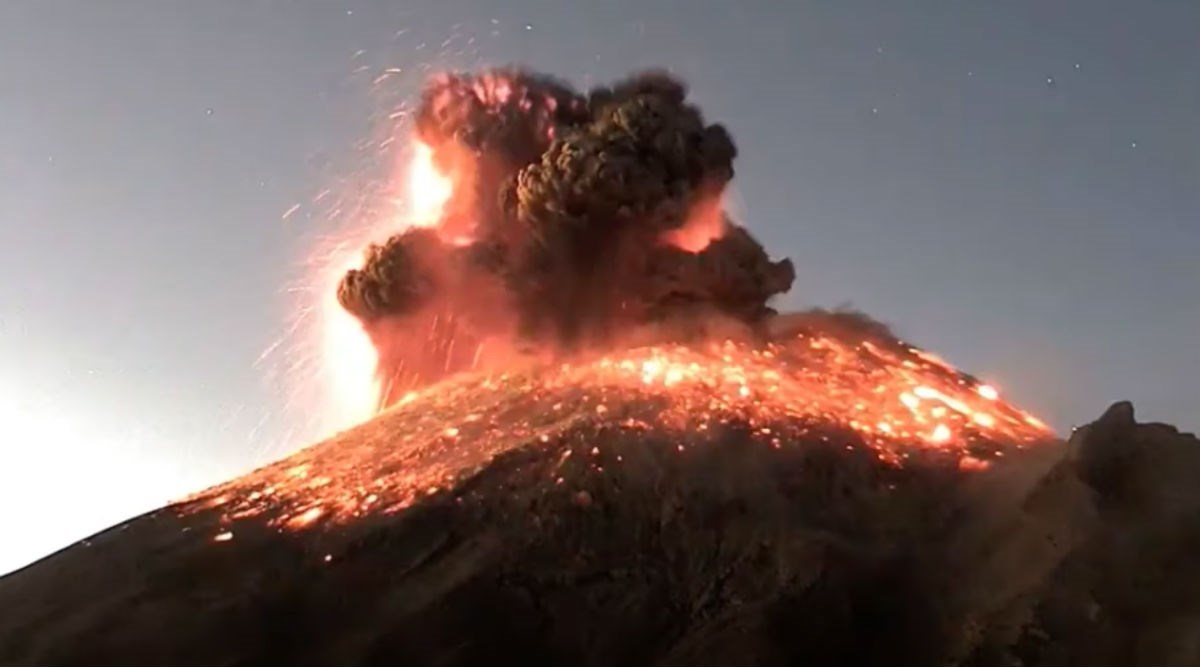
827	379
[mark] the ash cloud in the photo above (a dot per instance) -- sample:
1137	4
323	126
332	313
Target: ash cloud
574	216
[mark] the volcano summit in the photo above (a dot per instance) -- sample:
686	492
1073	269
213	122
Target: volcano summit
598	444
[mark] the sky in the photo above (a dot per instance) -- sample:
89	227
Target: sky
1014	185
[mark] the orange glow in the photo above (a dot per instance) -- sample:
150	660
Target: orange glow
428	188
348	358
306	518
894	400
705	224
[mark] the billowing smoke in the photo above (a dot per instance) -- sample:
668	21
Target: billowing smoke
572	216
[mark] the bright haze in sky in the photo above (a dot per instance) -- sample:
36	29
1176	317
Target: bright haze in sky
1011	185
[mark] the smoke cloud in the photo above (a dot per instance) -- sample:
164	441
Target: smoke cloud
572	217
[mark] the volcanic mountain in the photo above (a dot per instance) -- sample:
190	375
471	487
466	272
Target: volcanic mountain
600	444
832	495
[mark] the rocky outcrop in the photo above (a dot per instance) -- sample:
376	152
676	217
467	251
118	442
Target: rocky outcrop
1128	593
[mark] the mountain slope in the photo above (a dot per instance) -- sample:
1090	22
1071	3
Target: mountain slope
668	505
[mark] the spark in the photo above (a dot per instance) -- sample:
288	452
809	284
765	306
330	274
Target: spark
307	518
349	357
941	433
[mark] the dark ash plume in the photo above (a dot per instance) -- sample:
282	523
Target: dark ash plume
581	214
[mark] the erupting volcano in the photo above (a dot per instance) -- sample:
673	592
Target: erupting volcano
555	221
842	386
596	442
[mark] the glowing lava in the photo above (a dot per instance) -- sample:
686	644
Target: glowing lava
891	399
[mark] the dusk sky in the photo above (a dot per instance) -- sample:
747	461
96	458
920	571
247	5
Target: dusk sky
1013	185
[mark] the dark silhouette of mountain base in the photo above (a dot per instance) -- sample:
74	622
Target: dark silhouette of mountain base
618	543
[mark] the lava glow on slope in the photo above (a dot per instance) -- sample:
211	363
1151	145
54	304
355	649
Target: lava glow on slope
893	399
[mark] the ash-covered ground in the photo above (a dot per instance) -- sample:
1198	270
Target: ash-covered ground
601	445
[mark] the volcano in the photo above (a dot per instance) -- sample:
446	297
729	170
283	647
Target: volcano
599	444
832	496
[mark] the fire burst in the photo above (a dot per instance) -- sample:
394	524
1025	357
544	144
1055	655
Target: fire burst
428	189
347	356
347	359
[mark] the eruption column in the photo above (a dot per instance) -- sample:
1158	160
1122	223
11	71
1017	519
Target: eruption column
556	220
350	359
